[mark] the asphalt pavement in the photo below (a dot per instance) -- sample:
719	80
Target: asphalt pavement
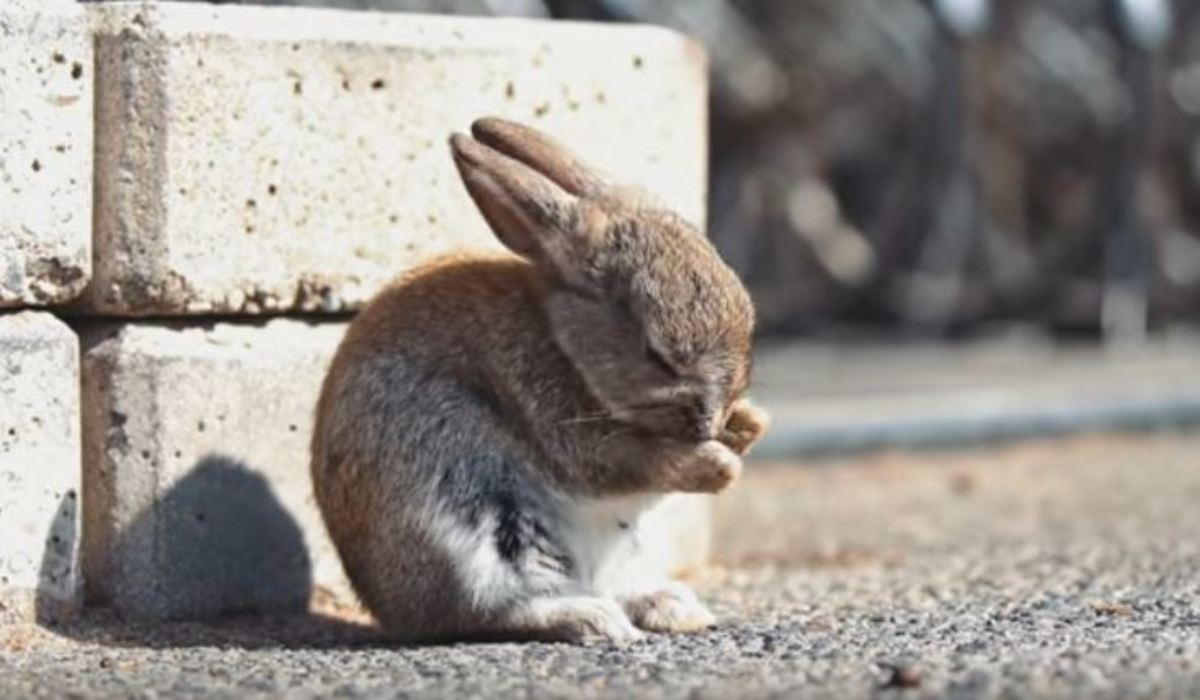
1054	569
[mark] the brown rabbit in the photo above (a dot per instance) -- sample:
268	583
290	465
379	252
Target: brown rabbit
493	427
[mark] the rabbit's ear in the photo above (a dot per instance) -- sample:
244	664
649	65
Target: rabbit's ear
540	152
528	212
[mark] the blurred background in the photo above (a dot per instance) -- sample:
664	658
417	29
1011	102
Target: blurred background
942	168
965	223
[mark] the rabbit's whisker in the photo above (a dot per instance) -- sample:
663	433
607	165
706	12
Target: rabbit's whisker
619	430
587	419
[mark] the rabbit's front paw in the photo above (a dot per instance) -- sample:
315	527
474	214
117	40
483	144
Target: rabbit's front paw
578	619
673	608
710	468
745	426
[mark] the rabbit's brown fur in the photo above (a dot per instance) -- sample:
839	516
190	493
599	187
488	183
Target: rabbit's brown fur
492	427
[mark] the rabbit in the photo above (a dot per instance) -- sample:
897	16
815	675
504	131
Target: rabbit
493	425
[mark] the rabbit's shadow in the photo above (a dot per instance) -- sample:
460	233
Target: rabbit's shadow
218	545
306	630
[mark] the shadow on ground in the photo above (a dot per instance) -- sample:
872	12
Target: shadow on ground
219	546
296	631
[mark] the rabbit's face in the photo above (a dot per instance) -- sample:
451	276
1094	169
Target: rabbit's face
639	301
656	324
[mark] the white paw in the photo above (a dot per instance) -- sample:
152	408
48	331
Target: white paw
745	425
582	619
715	467
673	607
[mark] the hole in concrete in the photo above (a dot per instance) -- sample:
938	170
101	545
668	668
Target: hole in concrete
200	426
249	228
378	84
271	190
431	219
250	204
37	165
178	454
345	83
541	110
76	70
297	88
392	218
145	454
638	62
510	90
601	97
292	428
12	432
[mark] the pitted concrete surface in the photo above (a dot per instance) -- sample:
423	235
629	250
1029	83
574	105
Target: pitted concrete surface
257	132
1051	570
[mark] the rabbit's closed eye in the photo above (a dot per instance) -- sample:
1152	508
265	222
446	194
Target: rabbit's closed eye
657	359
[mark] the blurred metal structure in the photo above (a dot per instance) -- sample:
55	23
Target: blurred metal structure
966	19
934	293
1142	28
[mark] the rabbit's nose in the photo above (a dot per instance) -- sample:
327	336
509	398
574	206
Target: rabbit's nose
706	426
702	432
710	416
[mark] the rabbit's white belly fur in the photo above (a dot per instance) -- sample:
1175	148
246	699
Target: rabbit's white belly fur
603	537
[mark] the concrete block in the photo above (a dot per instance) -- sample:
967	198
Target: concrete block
39	468
198	499
258	159
45	151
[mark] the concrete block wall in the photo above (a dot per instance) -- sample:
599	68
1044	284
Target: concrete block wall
45	258
39	467
264	161
45	152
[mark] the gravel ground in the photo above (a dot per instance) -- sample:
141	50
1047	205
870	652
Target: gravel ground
1061	569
